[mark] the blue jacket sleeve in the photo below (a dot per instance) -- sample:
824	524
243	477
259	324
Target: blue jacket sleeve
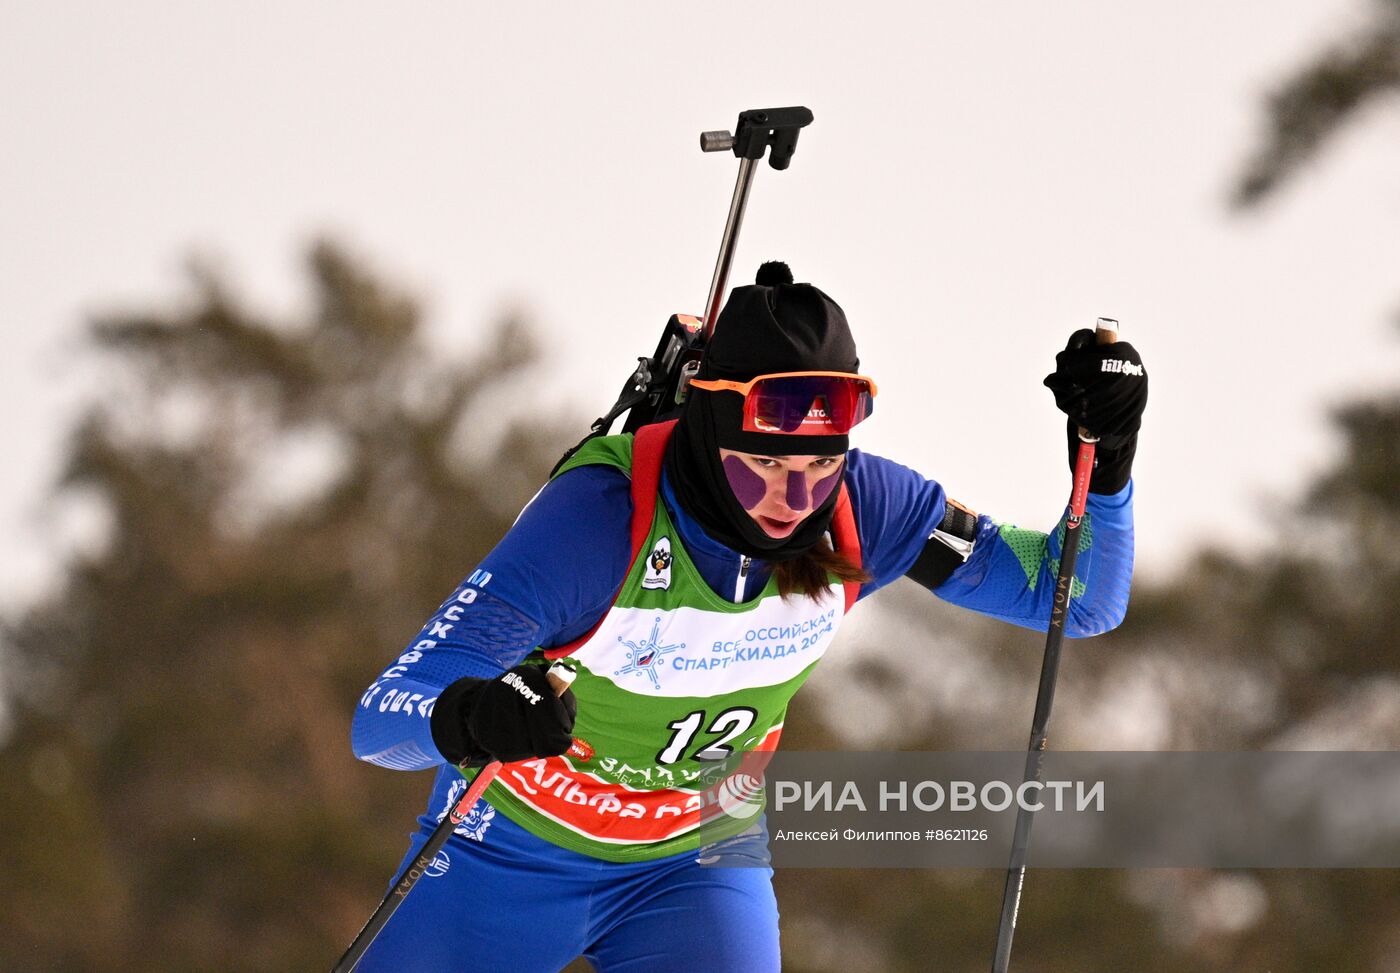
896	510
1011	572
548	581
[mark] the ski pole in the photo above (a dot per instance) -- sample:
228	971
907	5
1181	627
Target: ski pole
560	676
1106	333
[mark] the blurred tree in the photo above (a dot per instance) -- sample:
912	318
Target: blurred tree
1312	106
179	793
287	503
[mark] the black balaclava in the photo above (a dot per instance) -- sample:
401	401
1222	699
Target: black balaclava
771	326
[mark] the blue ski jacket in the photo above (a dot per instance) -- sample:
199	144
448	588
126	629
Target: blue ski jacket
554	575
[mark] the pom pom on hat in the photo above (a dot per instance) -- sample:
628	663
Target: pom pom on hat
772	273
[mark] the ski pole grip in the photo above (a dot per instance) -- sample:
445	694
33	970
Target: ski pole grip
1105	333
560	677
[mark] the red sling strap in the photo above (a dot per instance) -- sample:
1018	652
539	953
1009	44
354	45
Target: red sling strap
648	454
845	538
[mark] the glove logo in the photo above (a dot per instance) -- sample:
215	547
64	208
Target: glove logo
658	573
514	681
1120	366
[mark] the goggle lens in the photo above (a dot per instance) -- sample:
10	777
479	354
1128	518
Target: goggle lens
813	405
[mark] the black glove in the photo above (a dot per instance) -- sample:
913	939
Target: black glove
1104	389
512	717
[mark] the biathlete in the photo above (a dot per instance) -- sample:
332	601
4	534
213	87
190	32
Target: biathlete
692	575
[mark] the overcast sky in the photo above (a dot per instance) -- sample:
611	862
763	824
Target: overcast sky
980	180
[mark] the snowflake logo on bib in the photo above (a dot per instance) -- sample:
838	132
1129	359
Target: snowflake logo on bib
645	657
478	819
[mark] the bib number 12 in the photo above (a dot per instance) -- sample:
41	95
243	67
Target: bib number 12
726	726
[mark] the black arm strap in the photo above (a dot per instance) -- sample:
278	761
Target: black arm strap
947	548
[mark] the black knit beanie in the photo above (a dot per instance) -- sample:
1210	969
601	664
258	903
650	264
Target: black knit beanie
771	326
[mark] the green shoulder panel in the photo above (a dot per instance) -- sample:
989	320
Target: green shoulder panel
603	451
1031	548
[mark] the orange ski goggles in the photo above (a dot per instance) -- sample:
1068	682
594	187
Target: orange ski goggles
801	403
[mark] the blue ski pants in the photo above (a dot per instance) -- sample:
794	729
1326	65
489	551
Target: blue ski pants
500	900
